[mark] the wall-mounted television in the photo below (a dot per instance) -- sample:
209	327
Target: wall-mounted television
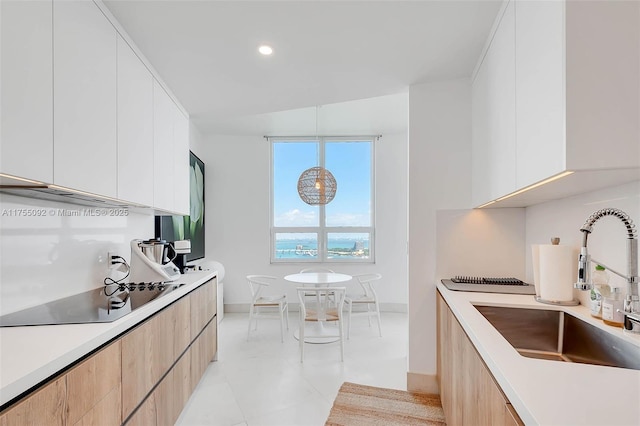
175	228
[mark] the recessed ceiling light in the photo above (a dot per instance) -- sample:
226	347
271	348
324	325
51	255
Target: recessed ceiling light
265	50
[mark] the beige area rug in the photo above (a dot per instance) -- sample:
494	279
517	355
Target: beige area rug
367	405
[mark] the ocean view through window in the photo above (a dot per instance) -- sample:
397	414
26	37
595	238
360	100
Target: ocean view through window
341	231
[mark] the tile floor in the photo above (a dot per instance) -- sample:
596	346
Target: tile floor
262	382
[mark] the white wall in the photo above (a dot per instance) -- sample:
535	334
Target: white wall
53	256
238	228
439	178
564	218
481	243
196	140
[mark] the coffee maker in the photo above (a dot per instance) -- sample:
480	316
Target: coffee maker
150	261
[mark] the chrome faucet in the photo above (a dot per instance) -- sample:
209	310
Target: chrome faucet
632	300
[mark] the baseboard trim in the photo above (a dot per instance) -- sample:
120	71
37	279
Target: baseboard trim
422	383
293	307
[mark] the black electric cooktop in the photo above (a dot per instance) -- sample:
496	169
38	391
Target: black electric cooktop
92	306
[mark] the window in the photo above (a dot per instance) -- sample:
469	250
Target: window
341	231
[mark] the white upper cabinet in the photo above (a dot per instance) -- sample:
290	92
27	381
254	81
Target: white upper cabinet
602	58
170	154
135	128
575	82
84	103
540	102
26	83
163	155
493	111
181	157
82	109
481	161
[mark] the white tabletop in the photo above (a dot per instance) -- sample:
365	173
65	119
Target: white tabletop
318	278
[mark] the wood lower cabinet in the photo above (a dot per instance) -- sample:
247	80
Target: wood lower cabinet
201	312
144	377
164	405
203	351
94	388
90	393
150	350
158	368
46	406
469	394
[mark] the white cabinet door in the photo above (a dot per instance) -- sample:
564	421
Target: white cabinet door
181	158
500	63
135	128
163	154
170	154
84	133
480	163
494	121
26	83
540	102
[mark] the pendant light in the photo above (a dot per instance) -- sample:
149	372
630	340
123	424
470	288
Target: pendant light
317	186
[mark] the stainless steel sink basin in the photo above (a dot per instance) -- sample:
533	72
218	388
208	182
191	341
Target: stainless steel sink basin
558	336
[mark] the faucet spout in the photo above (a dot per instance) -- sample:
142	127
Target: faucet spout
632	301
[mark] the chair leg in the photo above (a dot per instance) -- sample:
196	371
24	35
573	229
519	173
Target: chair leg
287	313
379	319
349	324
301	342
281	309
369	313
341	340
250	320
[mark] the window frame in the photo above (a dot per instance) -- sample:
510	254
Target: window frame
322	230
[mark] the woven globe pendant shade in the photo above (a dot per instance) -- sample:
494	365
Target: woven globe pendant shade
317	186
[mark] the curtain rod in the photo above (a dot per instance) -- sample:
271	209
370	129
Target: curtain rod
324	136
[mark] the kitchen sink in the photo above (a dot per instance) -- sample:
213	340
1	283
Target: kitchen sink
558	336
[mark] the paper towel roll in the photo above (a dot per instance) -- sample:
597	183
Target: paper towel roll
556	272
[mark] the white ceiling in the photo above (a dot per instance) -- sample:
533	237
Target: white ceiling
325	52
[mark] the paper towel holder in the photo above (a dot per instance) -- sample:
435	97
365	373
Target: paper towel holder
556	241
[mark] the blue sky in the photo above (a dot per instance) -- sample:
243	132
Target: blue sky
349	163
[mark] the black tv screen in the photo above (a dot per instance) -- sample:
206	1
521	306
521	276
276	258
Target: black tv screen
175	228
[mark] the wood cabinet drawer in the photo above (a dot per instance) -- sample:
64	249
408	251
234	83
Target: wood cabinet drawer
469	393
92	381
88	394
47	406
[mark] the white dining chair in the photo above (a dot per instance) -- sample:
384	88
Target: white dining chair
366	297
308	270
326	307
266	306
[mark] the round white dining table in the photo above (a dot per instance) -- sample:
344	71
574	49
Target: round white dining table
318	279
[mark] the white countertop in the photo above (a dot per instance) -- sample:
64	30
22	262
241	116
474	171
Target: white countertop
550	392
29	355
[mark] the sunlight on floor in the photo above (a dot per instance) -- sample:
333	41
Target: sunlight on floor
262	382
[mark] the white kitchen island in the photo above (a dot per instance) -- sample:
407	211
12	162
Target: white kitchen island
547	392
